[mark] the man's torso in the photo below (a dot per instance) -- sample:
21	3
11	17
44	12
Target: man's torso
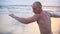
44	21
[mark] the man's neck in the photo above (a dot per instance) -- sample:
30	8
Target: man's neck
39	12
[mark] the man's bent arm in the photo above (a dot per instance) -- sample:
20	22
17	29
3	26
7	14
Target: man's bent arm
25	20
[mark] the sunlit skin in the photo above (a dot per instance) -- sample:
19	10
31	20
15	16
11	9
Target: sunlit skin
43	18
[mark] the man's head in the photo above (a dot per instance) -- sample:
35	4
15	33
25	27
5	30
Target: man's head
37	7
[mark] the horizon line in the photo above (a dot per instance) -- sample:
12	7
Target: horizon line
28	5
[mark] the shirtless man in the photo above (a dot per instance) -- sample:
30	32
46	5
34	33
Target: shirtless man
43	18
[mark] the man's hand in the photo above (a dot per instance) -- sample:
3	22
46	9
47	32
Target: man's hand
12	15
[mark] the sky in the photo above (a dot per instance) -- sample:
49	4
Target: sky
29	2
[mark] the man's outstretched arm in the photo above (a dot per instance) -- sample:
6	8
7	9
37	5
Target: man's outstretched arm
55	14
25	20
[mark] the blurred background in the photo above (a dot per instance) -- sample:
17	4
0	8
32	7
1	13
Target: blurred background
22	8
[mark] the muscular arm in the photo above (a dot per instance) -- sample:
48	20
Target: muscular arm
25	20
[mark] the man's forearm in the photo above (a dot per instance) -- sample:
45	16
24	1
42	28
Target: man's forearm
25	20
22	20
55	14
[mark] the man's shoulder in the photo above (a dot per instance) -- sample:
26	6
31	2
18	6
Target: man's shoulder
47	12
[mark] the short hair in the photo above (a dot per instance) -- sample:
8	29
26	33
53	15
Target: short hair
38	4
